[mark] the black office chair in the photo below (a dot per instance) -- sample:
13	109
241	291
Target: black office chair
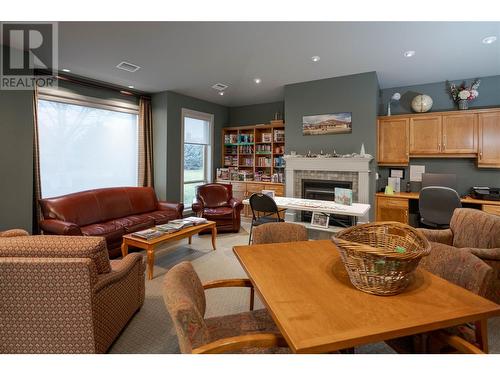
436	205
264	210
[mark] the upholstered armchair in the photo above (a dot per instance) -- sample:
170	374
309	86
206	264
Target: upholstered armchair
248	332
279	232
477	232
61	294
215	202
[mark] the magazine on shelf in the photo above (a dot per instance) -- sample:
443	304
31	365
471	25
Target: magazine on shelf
148	234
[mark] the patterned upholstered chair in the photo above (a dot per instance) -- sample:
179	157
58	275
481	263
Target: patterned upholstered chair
248	332
477	232
279	232
464	269
61	294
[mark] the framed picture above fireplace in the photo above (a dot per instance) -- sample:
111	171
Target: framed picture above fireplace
319	219
333	123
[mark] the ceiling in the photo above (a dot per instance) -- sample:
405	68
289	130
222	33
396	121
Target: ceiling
189	57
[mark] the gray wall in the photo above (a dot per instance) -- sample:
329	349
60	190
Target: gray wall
489	95
355	93
255	114
167	108
468	174
16	159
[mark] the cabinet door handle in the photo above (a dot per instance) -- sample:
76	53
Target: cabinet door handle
439	146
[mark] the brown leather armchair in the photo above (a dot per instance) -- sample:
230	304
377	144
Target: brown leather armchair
215	202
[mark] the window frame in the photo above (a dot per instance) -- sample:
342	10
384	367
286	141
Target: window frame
66	97
209	149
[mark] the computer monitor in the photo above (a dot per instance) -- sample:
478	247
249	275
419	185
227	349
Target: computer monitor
439	179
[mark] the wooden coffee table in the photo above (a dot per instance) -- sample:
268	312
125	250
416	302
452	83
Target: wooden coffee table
150	245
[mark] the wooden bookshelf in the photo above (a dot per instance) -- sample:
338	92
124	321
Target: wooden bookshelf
258	149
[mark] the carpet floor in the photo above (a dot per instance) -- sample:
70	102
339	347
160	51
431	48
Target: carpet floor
151	331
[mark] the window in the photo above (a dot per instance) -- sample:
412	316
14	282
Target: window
197	152
85	146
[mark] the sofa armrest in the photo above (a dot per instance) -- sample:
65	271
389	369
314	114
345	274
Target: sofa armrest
171	206
53	226
236	204
486	254
197	206
14	233
119	269
444	236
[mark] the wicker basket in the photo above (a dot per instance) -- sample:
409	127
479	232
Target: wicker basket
370	256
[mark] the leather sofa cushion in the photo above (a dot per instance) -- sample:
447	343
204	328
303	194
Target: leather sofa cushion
214	195
161	216
219	212
80	208
142	199
110	230
134	223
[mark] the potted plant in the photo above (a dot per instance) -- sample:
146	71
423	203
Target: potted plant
463	94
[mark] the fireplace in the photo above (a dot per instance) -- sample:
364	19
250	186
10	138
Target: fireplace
325	190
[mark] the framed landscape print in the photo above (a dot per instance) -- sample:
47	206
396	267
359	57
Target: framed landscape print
319	219
334	123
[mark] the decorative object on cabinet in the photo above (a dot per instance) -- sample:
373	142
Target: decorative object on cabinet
421	103
394	98
464	94
335	123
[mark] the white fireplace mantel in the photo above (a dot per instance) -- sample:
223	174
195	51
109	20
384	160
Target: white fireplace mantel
359	165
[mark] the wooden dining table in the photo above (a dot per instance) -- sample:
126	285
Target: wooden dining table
307	291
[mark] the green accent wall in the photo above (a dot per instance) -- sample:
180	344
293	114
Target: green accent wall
167	120
354	93
468	174
16	159
255	114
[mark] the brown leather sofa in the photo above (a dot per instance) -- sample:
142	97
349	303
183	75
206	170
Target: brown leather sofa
108	213
215	202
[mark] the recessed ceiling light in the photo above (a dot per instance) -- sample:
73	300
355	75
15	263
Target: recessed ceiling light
130	86
257	80
221	93
66	70
315	58
409	53
489	39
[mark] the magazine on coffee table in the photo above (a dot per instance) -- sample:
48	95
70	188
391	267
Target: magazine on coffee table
148	234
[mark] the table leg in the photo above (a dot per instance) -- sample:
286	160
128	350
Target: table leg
482	334
214	235
124	249
190	239
151	261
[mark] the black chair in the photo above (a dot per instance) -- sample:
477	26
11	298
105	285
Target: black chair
436	205
264	210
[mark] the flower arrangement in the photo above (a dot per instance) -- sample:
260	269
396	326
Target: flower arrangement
463	92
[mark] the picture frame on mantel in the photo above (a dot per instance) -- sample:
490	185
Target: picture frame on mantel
333	123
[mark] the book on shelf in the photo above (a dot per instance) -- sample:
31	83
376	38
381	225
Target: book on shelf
148	234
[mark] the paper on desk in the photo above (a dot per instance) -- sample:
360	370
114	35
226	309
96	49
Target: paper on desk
416	172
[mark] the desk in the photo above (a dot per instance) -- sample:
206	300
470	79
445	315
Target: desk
307	291
328	207
397	207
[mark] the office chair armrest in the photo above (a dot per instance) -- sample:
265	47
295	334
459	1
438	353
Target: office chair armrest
229	344
444	236
486	254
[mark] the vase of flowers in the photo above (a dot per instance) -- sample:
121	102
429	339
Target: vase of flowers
463	94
